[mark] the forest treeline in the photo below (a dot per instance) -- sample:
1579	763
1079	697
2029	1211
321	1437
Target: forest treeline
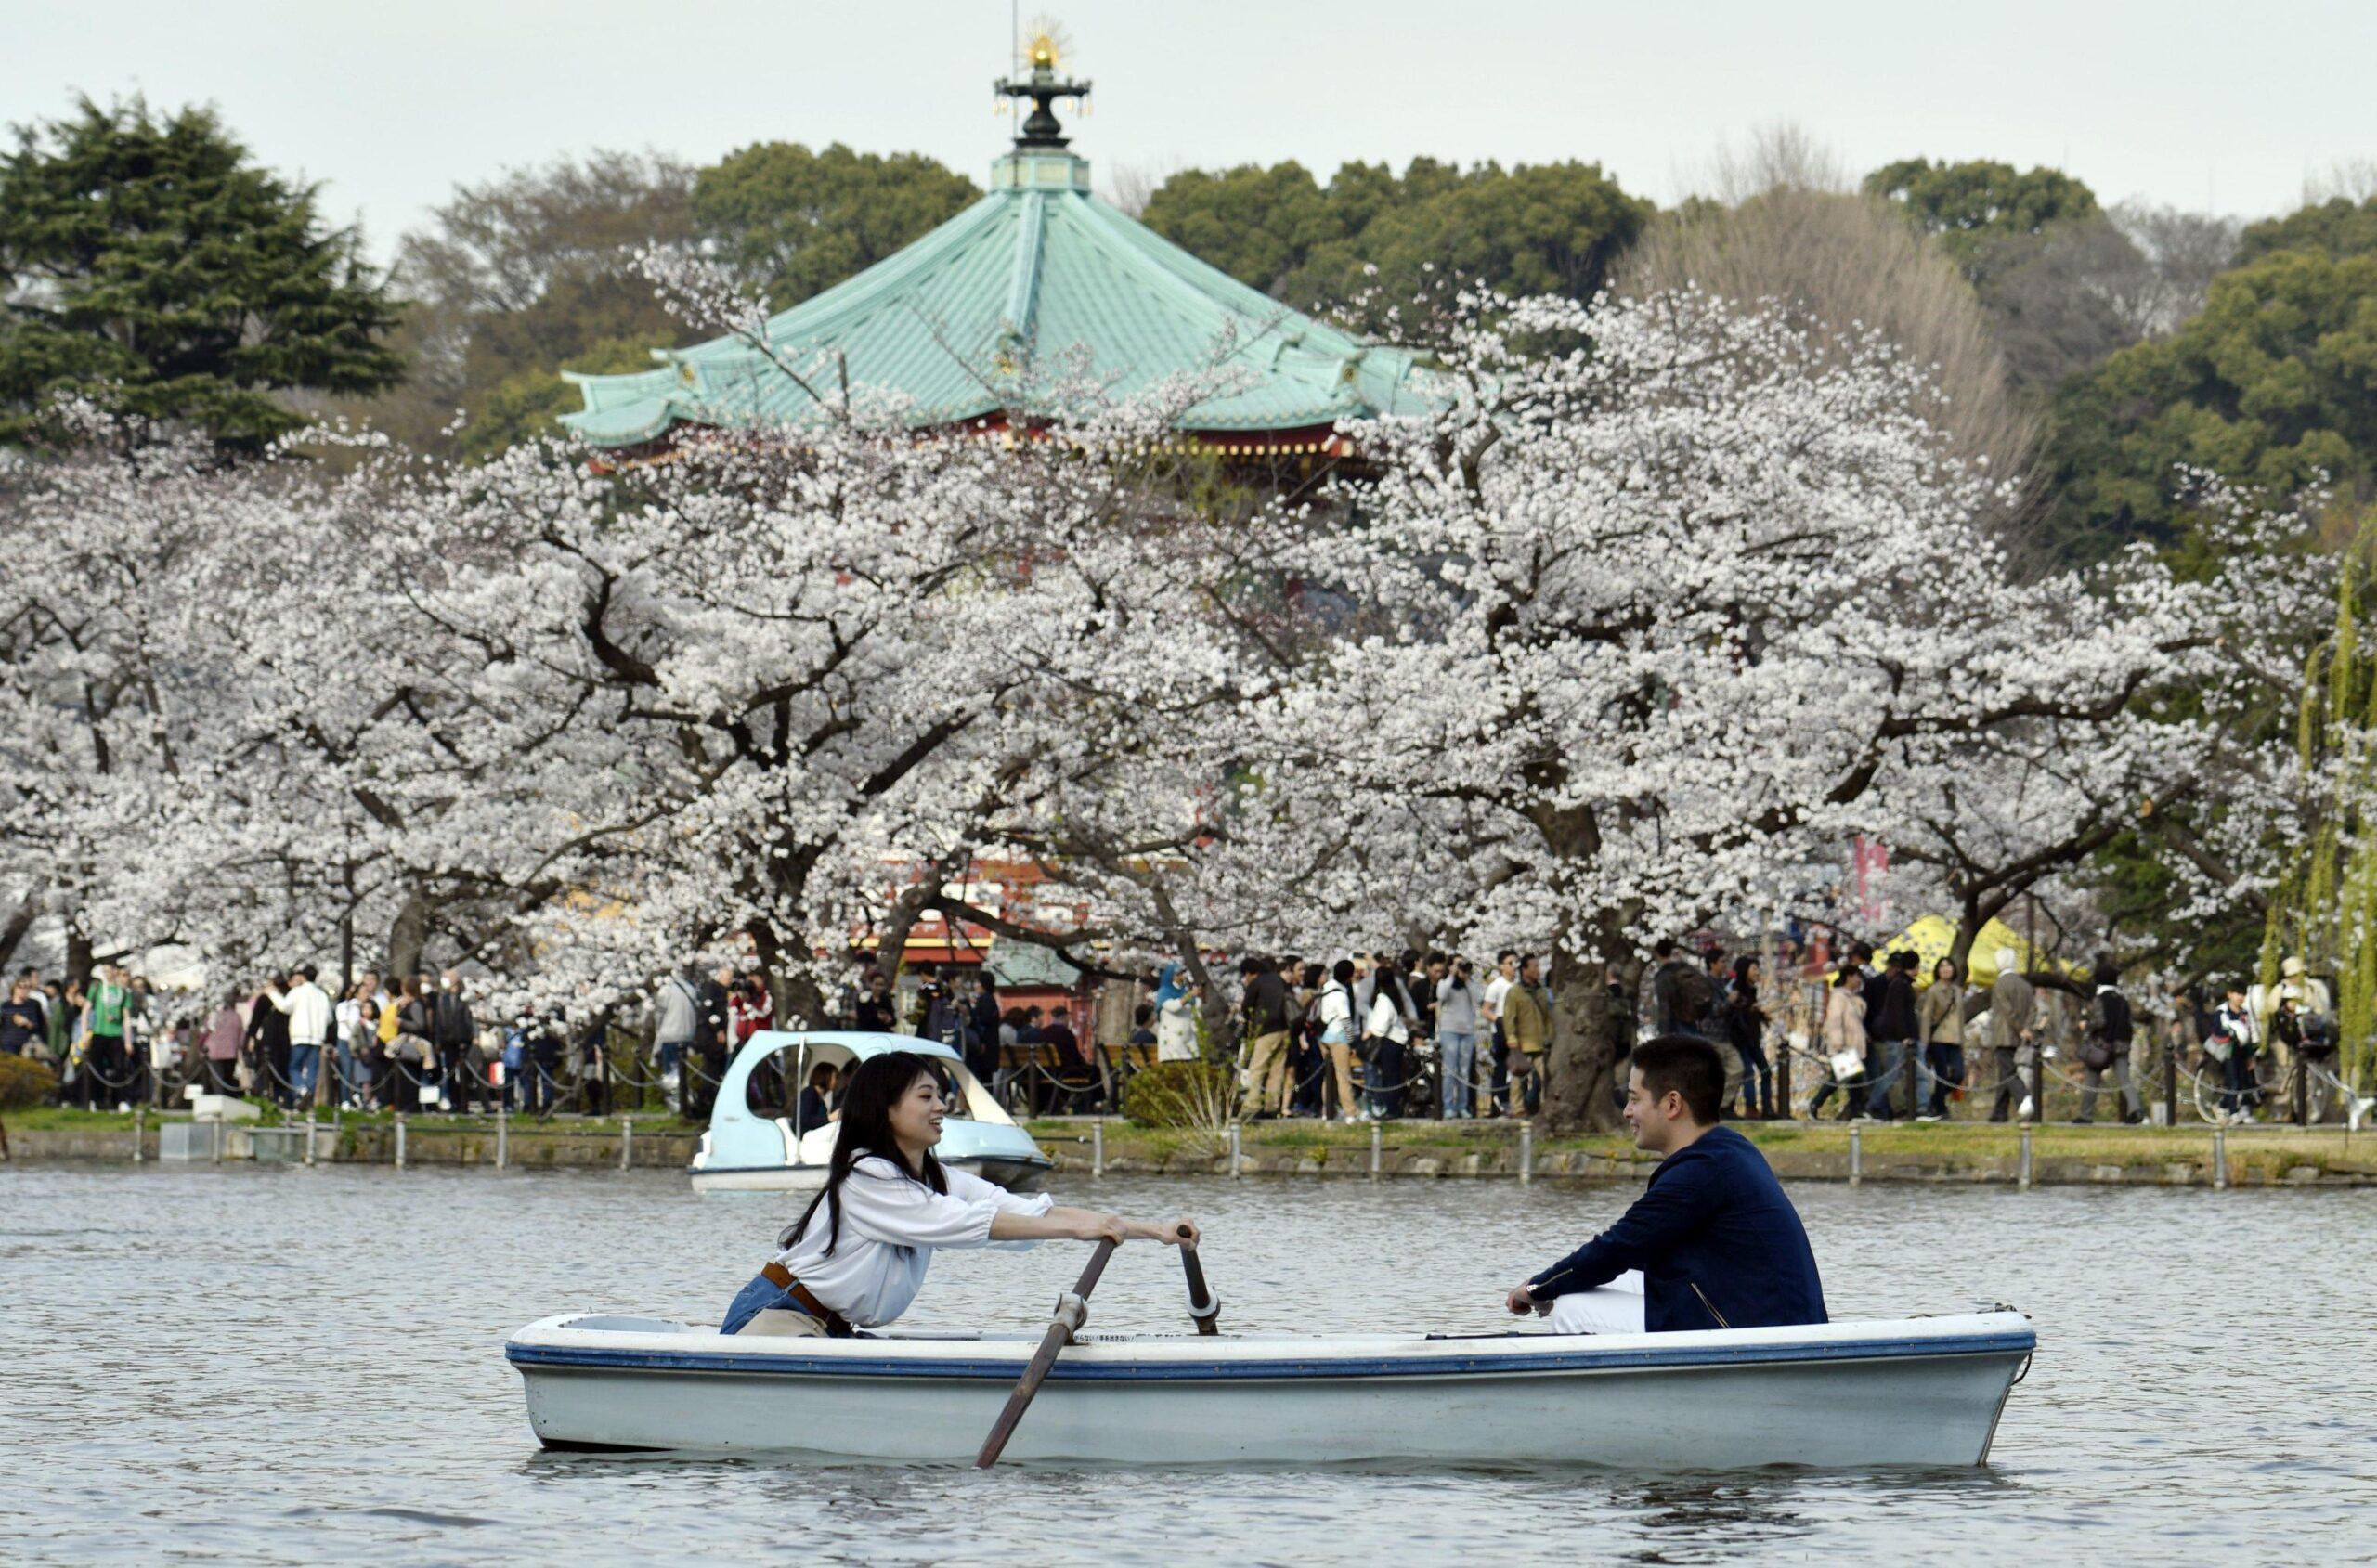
2090	353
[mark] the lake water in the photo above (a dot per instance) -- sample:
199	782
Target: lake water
292	1365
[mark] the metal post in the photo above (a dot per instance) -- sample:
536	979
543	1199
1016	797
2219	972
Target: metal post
1237	1151
2220	1157
626	1143
218	1140
1098	1147
400	1140
2024	1179
1376	1149
310	1138
1856	1155
503	1135
2298	1069
2038	1084
139	1133
2170	1082
1783	1082
1527	1152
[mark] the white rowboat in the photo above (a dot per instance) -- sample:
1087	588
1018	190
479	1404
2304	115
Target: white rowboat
1923	1391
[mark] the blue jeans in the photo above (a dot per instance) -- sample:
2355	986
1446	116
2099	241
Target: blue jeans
1885	1060
1456	1061
1944	1072
303	1061
758	1296
1382	1078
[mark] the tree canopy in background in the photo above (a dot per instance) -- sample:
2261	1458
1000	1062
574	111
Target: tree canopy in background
1969	204
2273	384
1533	228
793	223
2338	225
533	272
519	276
147	265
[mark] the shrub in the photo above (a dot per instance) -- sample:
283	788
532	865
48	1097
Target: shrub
1193	1095
24	1083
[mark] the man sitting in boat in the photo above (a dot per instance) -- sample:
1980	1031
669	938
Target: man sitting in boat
887	1205
1712	1242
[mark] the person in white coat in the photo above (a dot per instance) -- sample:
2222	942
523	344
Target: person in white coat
310	1017
856	1258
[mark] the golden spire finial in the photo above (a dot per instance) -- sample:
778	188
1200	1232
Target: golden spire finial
1044	43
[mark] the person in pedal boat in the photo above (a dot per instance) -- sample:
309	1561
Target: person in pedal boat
1712	1242
856	1258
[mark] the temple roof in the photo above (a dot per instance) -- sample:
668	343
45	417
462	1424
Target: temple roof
960	320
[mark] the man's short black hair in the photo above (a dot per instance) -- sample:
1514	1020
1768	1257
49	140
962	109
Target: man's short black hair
1506	952
1688	1065
308	970
1663	948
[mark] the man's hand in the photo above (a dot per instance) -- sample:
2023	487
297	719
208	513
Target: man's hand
1522	1300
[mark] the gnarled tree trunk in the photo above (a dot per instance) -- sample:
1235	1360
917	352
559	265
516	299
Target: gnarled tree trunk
1582	1068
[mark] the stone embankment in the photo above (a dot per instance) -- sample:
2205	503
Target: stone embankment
2190	1156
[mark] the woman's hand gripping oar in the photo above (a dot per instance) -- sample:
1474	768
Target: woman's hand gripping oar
1204	1308
1072	1311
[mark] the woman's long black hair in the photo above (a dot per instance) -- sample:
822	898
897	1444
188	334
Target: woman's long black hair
868	1094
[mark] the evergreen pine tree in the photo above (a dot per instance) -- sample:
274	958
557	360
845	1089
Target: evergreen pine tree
149	265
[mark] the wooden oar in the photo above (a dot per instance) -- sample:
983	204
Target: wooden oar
1204	1310
1072	1311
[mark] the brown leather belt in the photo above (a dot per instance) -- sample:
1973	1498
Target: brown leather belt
836	1326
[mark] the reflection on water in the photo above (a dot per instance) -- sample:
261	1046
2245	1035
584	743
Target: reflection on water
272	1365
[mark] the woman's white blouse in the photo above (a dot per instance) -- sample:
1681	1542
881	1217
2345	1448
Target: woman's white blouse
890	1226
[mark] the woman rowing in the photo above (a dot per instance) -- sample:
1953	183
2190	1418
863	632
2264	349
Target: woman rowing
857	1256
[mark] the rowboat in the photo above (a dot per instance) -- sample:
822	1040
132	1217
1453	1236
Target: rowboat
751	1150
1924	1392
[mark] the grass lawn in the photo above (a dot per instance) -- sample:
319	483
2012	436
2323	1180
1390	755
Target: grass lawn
1948	1144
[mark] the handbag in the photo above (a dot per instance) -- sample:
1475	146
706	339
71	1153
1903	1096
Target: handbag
2095	1054
1846	1065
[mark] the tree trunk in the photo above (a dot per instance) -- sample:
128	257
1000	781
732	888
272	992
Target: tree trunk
1580	1069
78	956
1976	912
798	1001
21	921
408	936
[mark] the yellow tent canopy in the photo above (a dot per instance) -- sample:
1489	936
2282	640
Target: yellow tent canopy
1931	936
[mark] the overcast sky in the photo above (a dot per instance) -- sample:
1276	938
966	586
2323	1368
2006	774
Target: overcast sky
2218	104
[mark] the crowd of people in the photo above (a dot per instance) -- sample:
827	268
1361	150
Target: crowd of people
408	1043
1372	1035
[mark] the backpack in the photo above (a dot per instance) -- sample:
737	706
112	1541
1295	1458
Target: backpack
1696	994
2319	1034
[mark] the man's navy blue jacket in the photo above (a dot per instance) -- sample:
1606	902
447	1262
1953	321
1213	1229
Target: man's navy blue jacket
1714	1217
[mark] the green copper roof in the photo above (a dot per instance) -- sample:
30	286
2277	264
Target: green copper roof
1038	267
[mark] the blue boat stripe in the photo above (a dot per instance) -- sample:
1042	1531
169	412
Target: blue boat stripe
1206	1371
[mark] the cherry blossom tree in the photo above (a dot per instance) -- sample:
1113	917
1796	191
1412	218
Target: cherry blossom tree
1657	606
